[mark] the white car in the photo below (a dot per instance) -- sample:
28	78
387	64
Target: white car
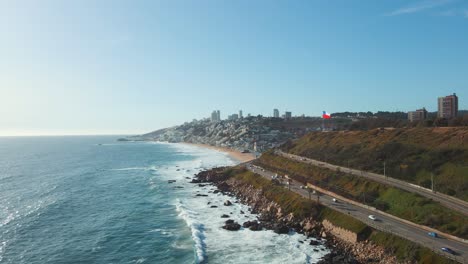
372	217
334	200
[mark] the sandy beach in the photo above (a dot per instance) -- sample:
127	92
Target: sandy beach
237	155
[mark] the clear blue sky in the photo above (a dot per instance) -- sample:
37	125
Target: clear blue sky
93	67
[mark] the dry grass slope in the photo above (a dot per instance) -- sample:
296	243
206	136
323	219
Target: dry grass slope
410	154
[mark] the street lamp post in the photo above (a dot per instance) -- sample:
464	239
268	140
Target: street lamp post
432	181
309	191
384	172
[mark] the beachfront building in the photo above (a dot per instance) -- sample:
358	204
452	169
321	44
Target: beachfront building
240	114
418	115
287	115
447	106
276	113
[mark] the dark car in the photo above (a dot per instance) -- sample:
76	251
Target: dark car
448	250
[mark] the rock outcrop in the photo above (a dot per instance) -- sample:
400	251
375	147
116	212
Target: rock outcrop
273	217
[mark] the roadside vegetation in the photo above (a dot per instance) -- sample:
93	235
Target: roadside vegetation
400	203
412	155
406	250
292	202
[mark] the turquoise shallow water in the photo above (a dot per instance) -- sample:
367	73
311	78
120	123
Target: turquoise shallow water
96	200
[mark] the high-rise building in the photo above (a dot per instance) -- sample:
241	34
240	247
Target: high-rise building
287	115
447	106
240	114
215	116
276	113
418	115
233	117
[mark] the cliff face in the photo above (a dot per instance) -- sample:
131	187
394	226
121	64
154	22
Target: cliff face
272	216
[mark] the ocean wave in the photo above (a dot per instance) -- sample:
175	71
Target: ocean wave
9	218
197	229
2	249
149	168
130	168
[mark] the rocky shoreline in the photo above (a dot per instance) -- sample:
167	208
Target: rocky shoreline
273	217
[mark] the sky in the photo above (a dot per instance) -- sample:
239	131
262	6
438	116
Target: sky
130	67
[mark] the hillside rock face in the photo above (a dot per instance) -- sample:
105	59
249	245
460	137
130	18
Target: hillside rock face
273	217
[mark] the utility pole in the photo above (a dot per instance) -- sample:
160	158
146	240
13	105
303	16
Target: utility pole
385	175
432	181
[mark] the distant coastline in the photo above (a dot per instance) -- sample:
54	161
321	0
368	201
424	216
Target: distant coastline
237	155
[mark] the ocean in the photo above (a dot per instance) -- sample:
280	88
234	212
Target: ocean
96	200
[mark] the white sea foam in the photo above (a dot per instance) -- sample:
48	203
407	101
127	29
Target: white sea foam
196	228
150	168
2	248
131	168
212	243
8	219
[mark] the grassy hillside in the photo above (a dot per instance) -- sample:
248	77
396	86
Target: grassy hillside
403	204
410	154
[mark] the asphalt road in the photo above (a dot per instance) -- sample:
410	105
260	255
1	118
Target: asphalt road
447	201
383	223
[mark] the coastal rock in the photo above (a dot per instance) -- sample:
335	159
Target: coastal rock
281	229
273	217
231	225
227	203
248	224
314	243
253	225
213	206
204	195
225	216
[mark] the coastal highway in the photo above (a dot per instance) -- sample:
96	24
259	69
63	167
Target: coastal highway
384	223
447	201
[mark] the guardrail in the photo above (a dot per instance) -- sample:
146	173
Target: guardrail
426	228
385	228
